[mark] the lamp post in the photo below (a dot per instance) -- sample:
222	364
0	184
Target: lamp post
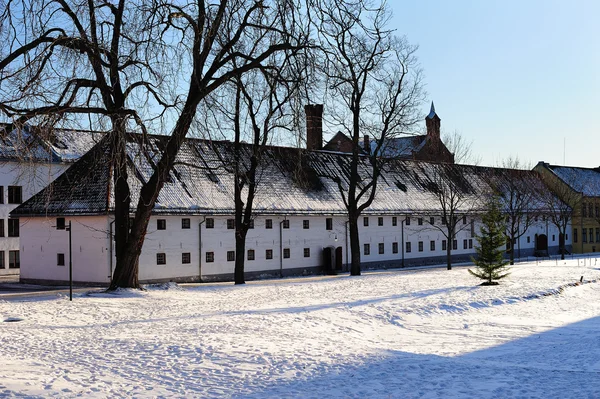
70	263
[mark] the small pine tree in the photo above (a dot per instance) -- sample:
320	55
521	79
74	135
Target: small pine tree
490	255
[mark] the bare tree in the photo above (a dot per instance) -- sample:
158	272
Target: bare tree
461	147
134	65
373	87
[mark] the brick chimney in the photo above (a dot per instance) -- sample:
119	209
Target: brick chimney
367	144
314	126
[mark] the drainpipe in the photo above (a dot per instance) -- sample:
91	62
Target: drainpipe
402	233
200	249
346	239
281	248
110	247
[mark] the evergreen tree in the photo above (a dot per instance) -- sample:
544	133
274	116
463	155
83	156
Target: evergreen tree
490	255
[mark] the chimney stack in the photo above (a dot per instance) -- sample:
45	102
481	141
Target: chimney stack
314	126
367	144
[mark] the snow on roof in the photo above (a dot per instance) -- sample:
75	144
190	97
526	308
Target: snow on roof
583	180
290	181
46	145
398	147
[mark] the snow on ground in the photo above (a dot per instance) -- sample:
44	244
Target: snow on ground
398	334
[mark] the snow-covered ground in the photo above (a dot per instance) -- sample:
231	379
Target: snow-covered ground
397	334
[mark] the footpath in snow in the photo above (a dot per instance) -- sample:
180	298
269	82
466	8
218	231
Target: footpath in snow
398	334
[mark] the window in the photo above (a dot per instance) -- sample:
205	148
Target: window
14	260
15	194
286	224
1	227
2	265
329	224
407	221
465	244
251	224
574	235
591	210
584	210
528	239
420	221
210	257
268	223
464	220
366	221
432	220
269	254
210	223
186	258
566	237
13	227
60	223
597	235
230	224
161	258
381	248
584	235
394	221
230	256
286	253
185	223
1	194
161	224
394	247
250	254
408	247
470	243
307	252
432	245
380	221
420	246
60	259
554	237
444	220
306	224
444	246
472	228
367	249
597	211
454	244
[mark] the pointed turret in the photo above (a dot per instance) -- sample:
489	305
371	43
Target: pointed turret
433	123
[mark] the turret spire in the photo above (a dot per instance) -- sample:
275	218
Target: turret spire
432	111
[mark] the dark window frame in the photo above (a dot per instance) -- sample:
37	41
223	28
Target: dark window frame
287	254
230	256
186	223
328	223
366	249
13	227
186	258
306	252
161	258
209	257
230	224
394	247
268	223
210	223
15	194
161	224
251	254
381	248
16	259
60	259
268	254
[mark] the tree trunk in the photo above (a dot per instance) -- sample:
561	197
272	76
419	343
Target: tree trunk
512	252
240	249
449	255
354	246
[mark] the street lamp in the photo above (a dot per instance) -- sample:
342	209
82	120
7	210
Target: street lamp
68	228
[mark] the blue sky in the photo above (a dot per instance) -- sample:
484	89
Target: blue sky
515	77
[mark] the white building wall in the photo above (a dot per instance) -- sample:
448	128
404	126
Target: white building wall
41	243
32	177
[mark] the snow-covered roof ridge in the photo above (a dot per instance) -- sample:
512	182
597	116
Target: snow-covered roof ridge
580	179
290	180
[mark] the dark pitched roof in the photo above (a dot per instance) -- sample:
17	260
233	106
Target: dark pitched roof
291	181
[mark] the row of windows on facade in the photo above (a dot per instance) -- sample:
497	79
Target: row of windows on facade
15	195
585	237
13	228
590	210
14	260
161	224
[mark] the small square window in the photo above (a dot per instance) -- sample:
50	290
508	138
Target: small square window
161	224
269	254
230	256
366	221
394	221
408	247
395	247
420	246
367	249
60	259
250	254
329	224
185	223
420	221
379	221
432	245
307	252
286	224
210	223
268	223
60	223
186	258
381	248
305	224
161	259
230	224
210	257
432	220
286	253
407	221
